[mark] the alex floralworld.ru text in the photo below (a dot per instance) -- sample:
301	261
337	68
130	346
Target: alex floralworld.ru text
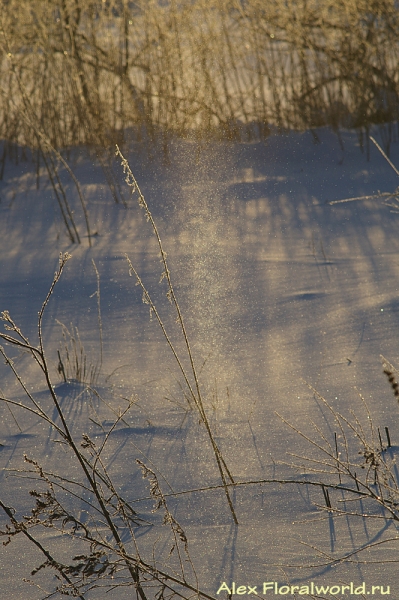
273	587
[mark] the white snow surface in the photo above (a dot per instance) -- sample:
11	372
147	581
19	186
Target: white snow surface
278	289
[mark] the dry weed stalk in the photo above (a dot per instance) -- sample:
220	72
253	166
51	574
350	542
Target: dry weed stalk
390	199
51	157
367	481
179	536
194	390
107	561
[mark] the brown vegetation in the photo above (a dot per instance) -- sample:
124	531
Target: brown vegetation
79	71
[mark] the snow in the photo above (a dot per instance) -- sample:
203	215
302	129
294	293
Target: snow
278	287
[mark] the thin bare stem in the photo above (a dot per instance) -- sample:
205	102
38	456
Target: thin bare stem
54	563
100	323
197	396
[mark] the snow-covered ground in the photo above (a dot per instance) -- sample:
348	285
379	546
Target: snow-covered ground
279	288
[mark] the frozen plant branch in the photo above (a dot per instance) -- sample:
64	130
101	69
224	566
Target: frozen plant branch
197	395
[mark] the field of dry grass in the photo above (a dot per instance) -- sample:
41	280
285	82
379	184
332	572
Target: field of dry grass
77	71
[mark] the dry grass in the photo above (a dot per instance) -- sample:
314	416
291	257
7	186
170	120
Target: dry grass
107	561
84	72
